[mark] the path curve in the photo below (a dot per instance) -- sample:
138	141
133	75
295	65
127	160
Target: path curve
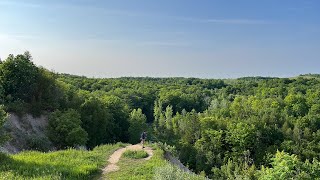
115	157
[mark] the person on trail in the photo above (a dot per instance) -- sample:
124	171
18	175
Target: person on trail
143	138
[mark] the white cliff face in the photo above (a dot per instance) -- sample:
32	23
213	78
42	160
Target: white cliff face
24	131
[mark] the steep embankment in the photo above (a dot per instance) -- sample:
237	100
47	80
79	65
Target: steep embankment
175	161
26	132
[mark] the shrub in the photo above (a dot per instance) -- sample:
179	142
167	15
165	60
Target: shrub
39	143
65	129
137	125
18	106
168	148
170	172
3	117
135	154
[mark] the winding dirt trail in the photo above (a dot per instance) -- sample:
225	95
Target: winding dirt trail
115	157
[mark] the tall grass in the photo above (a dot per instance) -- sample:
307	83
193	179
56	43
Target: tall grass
170	172
138	169
135	154
155	168
66	164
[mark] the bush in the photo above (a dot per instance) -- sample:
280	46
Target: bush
167	148
18	106
65	129
3	117
170	172
286	166
39	143
137	125
135	154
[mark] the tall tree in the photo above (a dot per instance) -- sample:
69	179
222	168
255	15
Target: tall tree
97	121
137	125
65	129
18	77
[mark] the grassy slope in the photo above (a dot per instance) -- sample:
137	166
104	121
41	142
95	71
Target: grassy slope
66	164
80	164
137	168
155	168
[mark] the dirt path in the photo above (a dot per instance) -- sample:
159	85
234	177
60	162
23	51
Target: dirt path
115	157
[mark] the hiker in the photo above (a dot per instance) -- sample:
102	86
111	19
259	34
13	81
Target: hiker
143	138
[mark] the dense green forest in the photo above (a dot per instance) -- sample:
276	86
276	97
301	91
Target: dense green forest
251	127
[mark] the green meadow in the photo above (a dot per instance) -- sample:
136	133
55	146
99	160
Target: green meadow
64	164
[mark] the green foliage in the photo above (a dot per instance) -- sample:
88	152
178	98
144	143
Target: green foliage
26	87
39	143
170	172
19	77
65	129
285	166
135	154
141	169
66	164
296	105
120	115
181	99
210	147
18	106
137	125
154	168
97	121
245	124
234	170
167	148
241	137
223	128
3	118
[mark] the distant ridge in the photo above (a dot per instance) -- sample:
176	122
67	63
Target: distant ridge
310	75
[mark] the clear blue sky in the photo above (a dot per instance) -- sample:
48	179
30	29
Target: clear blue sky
207	38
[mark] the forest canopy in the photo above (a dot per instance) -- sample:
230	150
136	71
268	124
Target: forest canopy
235	128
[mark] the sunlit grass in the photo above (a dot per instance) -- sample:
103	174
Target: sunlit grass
141	169
81	164
172	172
135	154
138	168
66	164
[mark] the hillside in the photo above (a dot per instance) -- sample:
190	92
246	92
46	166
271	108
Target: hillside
66	164
245	128
310	75
26	132
81	164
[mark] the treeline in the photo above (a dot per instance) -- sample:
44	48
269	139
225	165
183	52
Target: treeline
181	93
250	130
89	111
252	127
76	117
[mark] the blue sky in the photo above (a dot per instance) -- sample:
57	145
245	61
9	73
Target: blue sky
207	38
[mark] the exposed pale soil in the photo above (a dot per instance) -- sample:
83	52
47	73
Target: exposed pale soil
115	157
